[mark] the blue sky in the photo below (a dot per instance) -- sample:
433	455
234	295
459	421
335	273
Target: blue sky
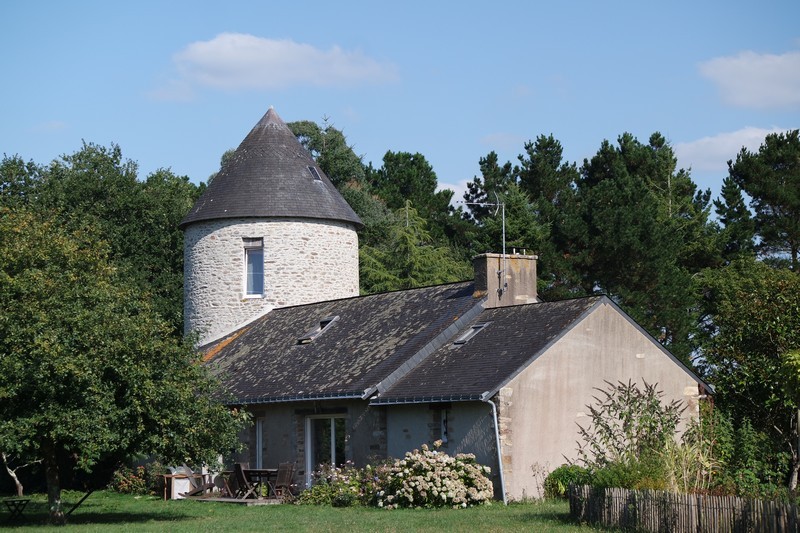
176	83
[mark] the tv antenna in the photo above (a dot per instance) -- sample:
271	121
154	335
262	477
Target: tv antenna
499	206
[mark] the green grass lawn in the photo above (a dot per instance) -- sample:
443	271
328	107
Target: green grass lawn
107	511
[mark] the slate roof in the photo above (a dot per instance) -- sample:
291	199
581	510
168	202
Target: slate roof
395	348
375	339
513	337
271	175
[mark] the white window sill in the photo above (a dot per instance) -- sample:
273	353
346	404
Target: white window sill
253	297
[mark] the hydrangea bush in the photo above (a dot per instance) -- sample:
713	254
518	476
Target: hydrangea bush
423	478
431	478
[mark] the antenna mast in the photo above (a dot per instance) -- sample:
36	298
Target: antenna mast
499	206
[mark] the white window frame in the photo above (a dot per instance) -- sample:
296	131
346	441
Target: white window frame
309	442
259	443
252	245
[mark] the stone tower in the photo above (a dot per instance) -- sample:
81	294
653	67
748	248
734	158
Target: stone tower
270	231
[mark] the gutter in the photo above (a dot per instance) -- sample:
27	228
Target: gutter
485	399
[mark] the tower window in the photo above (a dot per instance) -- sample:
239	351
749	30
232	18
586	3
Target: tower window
254	267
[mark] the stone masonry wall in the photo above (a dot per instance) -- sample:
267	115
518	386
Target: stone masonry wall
305	261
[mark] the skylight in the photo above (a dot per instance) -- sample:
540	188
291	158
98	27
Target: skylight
314	173
471	332
317	330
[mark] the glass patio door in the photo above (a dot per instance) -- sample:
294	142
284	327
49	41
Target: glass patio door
324	442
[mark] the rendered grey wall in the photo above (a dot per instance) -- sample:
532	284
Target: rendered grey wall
541	407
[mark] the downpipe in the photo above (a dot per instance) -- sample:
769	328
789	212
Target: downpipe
499	451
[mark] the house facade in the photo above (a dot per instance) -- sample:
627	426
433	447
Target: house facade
483	366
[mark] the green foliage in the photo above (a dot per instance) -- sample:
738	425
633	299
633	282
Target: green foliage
338	486
18	181
141	479
638	233
628	424
430	478
138	220
558	481
640	474
423	478
329	148
127	480
771	178
487	189
88	371
738	234
630	427
408	258
751	332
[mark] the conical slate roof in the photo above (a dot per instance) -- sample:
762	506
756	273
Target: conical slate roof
271	175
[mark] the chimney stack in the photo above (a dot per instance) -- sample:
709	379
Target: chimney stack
506	281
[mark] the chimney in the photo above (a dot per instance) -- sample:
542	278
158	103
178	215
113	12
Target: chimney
509	281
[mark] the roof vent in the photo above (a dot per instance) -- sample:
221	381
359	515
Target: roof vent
317	330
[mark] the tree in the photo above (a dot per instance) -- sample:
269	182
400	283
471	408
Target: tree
18	181
486	189
138	219
522	230
626	240
409	258
752	334
330	150
88	370
738	233
771	178
550	183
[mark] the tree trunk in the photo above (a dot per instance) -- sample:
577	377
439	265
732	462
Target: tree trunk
53	484
13	474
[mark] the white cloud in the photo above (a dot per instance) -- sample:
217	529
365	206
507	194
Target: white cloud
237	61
713	153
759	81
458	191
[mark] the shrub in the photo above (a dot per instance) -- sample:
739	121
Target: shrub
429	478
340	487
558	481
126	480
423	478
628	424
142	479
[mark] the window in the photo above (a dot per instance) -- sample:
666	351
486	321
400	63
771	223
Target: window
317	330
471	332
254	267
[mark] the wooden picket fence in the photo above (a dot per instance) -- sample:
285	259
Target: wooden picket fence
652	510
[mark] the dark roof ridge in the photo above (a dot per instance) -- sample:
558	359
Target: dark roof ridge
365	296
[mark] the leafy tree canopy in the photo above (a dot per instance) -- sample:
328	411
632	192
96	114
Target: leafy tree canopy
138	219
409	258
771	177
752	335
329	148
88	370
